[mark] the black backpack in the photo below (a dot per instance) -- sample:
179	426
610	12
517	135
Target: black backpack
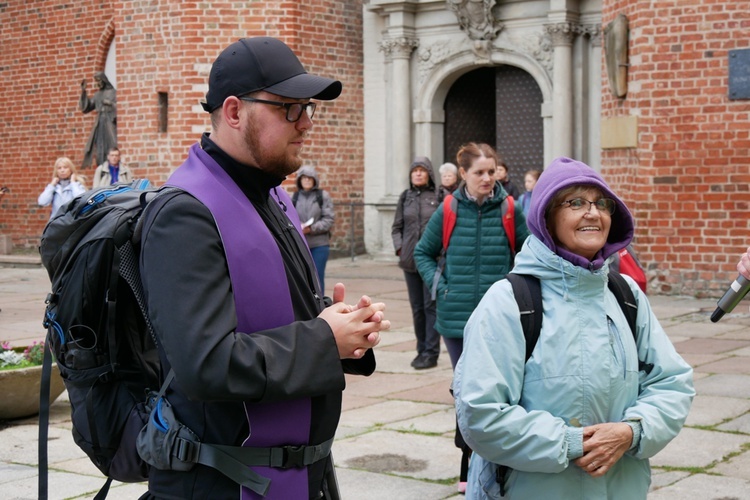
100	335
98	331
528	294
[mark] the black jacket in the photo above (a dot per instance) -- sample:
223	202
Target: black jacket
190	302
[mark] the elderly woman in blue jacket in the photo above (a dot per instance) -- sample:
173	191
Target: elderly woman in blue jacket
578	420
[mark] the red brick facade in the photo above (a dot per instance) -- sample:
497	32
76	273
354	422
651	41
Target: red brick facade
166	46
688	181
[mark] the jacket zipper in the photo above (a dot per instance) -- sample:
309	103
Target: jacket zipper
614	338
478	265
100	197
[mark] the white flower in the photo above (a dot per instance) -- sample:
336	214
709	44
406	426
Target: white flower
10	358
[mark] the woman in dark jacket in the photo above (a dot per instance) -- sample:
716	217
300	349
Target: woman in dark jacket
415	207
315	209
479	253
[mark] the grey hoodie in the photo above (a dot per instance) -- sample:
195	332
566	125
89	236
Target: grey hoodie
306	203
415	207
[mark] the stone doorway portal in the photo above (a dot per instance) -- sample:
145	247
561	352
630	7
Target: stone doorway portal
502	107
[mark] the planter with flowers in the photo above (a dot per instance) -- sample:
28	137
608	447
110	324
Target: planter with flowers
20	380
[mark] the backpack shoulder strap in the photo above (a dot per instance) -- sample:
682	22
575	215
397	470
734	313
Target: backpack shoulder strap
508	209
450	209
319	197
295	197
528	294
625	298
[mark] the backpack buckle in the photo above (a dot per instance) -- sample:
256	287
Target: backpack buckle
186	451
294	457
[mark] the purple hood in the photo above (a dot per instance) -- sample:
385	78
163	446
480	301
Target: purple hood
563	173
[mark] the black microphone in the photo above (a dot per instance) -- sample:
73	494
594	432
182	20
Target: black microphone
736	292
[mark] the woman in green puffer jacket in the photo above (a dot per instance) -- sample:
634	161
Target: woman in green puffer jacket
478	254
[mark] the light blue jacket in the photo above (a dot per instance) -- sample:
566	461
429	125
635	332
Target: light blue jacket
59	194
583	371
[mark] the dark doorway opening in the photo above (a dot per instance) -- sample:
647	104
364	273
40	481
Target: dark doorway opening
502	107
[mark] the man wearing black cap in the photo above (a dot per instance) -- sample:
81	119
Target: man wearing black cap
258	358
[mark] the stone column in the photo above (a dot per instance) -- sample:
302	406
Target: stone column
593	132
398	108
562	88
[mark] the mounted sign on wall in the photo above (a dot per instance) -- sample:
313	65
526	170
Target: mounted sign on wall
739	74
616	36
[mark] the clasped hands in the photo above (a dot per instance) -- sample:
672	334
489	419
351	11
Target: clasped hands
356	328
603	446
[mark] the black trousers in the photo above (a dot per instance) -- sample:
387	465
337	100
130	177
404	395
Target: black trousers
424	314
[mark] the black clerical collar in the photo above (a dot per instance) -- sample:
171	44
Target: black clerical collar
254	182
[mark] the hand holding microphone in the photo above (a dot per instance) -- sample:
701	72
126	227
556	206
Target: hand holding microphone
737	290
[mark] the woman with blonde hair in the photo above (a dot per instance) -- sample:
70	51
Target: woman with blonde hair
64	186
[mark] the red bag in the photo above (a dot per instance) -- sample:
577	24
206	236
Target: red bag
629	265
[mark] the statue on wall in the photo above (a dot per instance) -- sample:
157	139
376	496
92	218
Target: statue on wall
475	18
104	134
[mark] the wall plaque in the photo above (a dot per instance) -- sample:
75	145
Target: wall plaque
739	74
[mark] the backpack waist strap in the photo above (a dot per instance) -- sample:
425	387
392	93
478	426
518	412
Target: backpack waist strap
283	457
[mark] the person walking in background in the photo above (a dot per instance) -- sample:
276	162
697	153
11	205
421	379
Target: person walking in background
64	186
529	181
479	253
581	416
112	171
448	180
315	209
259	355
503	177
415	207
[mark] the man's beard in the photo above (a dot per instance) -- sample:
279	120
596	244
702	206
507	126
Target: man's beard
280	165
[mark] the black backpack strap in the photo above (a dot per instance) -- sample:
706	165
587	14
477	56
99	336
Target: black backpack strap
295	197
625	298
528	293
319	198
44	419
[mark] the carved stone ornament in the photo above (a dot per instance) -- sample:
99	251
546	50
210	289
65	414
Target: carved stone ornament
435	54
562	34
476	19
536	44
616	55
398	47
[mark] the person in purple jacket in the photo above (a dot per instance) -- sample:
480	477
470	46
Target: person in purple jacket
258	353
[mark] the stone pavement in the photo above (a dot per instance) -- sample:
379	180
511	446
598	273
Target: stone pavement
395	440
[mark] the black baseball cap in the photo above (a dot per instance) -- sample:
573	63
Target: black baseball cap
264	63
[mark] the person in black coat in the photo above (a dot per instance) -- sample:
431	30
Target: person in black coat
415	207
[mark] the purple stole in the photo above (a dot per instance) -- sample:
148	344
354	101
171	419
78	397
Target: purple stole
262	301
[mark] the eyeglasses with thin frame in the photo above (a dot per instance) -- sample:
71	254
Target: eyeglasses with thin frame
294	110
604	205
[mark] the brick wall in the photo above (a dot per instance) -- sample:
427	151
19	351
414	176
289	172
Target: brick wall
168	47
687	182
